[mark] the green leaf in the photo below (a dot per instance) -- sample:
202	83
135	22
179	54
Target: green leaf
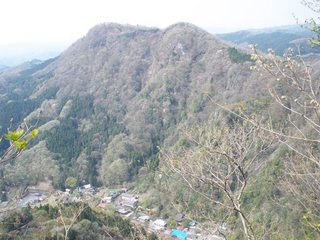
21	145
14	135
34	133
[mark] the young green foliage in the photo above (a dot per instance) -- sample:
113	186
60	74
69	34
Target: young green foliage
18	140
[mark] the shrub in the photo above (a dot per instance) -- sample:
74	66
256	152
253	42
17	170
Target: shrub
238	57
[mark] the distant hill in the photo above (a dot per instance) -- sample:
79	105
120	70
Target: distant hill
15	54
3	68
278	38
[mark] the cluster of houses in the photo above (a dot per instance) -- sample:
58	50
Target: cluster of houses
191	232
126	204
87	188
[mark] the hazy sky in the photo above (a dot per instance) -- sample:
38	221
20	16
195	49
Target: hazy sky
40	21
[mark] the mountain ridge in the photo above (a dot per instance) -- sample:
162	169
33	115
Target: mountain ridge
279	39
145	78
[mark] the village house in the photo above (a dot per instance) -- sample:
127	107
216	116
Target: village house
105	201
129	200
179	234
87	188
128	196
193	223
114	193
122	211
143	218
102	204
125	212
159	225
179	217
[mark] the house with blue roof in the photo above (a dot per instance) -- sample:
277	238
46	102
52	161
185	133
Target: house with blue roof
179	234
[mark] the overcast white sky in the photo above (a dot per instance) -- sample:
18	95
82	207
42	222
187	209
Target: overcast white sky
41	21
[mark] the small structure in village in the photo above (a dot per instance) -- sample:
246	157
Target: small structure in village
102	204
193	223
144	218
129	200
87	188
159	224
125	212
179	234
32	196
122	211
107	200
179	217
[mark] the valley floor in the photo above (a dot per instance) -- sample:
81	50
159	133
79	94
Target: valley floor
122	203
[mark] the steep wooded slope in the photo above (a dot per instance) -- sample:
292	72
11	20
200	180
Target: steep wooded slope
108	101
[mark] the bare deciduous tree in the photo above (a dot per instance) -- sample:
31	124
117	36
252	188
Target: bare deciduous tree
297	90
221	160
69	214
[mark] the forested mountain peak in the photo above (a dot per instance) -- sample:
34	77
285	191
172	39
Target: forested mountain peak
113	53
125	85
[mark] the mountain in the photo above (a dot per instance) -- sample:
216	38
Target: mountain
108	104
117	94
277	38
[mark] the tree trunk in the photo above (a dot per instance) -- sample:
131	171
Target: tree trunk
244	225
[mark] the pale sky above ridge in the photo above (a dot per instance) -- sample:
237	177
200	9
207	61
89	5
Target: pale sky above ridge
64	21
